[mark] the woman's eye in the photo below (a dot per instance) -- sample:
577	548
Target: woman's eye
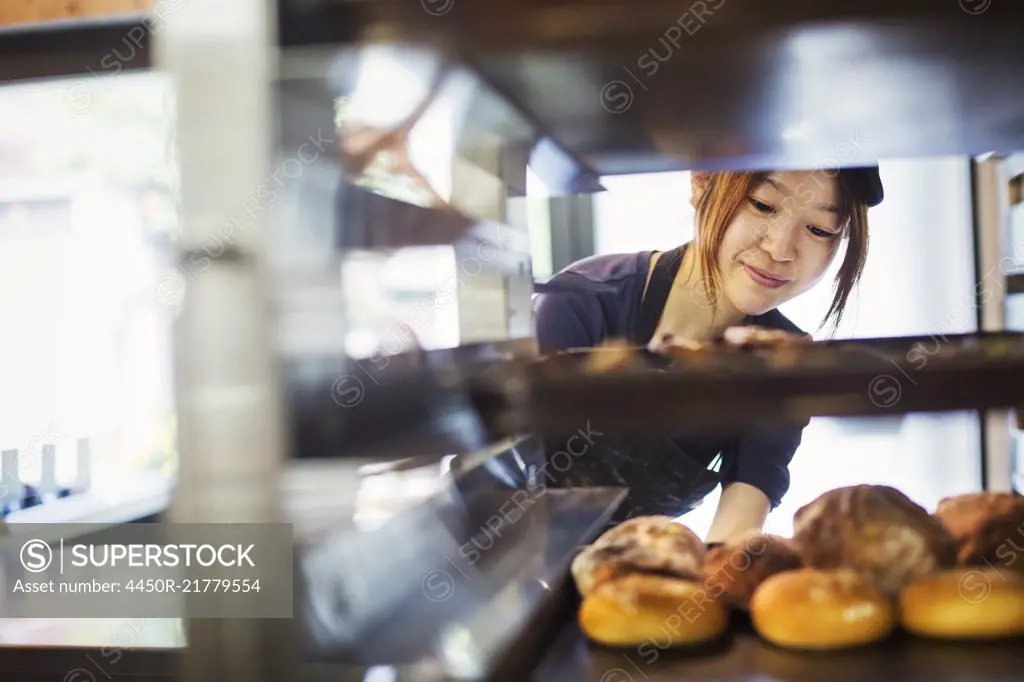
761	206
818	232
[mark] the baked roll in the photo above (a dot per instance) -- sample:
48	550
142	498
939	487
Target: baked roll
964	516
752	336
676	346
965	603
640	608
821	610
997	542
654	545
733	571
876	531
612	355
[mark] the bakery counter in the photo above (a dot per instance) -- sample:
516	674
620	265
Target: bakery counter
742	656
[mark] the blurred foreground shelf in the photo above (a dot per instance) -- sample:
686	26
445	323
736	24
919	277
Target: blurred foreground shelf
735	389
657	86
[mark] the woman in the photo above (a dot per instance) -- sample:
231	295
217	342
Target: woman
761	240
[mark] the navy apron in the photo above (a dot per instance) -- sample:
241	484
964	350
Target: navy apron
665	475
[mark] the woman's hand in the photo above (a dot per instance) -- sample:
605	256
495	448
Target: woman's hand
742	509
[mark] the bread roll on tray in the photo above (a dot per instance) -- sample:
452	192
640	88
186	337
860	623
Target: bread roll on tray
733	571
812	609
876	531
639	608
649	544
972	520
640	583
965	603
997	542
963	515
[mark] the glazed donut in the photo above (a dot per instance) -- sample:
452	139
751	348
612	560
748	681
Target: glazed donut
965	603
821	610
638	608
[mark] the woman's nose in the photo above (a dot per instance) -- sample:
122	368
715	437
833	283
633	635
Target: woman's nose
778	239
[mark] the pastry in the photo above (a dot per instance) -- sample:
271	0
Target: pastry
610	356
965	515
676	346
965	603
639	608
653	545
875	530
821	610
760	337
997	542
733	571
651	529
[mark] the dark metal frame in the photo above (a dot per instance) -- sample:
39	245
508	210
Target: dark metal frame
75	48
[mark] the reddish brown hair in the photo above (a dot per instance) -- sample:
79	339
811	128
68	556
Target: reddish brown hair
727	193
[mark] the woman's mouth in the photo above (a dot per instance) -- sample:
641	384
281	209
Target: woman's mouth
763	278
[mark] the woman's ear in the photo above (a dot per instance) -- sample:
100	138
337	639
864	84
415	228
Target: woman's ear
698	186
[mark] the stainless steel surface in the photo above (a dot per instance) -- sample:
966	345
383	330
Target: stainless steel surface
403	106
442	591
629	87
410	152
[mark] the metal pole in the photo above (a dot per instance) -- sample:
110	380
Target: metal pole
991	204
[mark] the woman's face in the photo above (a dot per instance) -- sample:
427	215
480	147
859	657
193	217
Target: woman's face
781	241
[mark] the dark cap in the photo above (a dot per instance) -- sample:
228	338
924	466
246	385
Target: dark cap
865	183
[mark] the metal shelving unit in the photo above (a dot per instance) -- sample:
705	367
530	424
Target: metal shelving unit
555	85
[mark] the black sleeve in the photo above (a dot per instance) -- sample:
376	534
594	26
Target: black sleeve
762	460
566	320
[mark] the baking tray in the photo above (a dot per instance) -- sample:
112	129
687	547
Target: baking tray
743	656
739	387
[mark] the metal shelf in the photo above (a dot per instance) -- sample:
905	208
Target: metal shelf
753	83
735	389
449	408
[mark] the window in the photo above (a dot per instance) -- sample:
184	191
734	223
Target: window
86	203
